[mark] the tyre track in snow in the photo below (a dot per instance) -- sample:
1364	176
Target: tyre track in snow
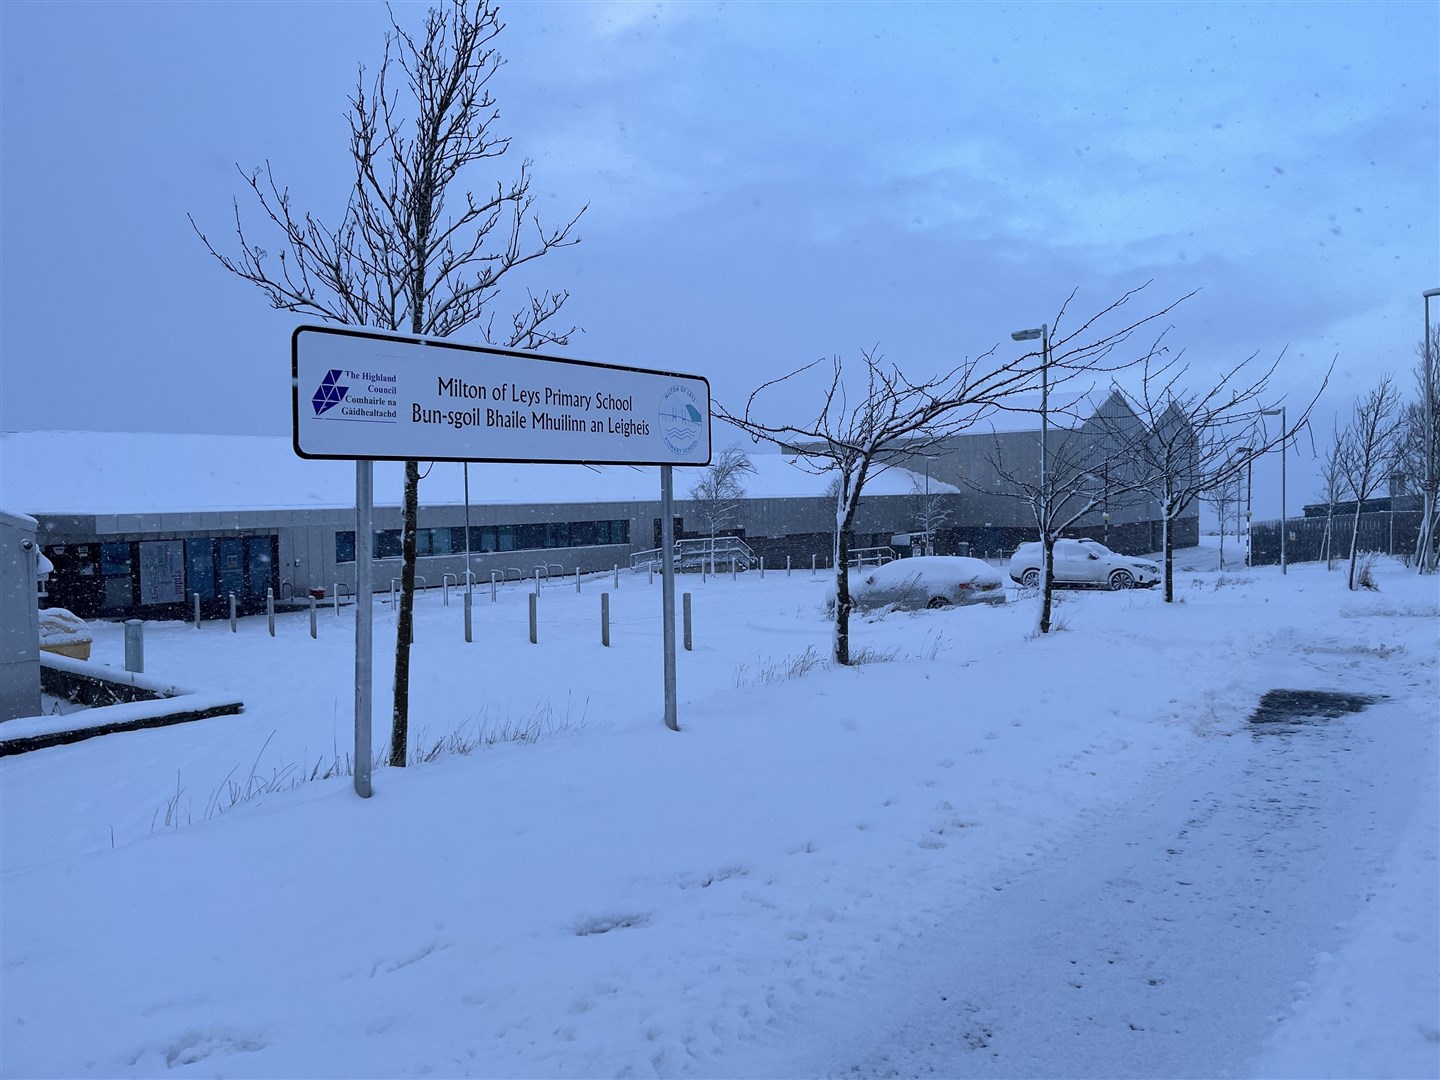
1163	936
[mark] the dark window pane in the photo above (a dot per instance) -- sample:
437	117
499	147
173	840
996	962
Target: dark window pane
528	537
457	538
200	567
387	544
620	532
557	534
345	546
582	533
114	559
507	537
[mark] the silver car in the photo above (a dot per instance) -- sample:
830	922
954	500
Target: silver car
927	581
1082	563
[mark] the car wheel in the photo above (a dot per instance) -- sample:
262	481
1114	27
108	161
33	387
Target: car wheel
1122	579
1030	578
938	602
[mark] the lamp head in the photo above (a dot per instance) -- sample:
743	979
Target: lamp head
1027	335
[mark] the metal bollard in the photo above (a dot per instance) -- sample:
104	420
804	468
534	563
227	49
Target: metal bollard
605	619
617	575
314	630
787	565
467	616
685	607
650	573
812	564
762	567
270	609
534	628
734	569
197	611
493	575
577	579
232	613
337	599
134	645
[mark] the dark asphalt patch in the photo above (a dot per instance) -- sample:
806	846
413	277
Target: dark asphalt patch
1287	707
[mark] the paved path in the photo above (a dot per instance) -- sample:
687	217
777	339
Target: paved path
1163	936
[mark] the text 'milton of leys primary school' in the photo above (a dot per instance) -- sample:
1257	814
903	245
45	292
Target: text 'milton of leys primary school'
439	401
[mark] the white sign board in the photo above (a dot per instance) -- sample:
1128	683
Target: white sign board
364	395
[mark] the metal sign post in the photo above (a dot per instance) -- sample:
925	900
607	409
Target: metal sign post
667	589
364	617
365	396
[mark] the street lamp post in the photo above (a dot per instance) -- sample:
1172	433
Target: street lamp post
1247	452
1043	333
1284	521
1427	558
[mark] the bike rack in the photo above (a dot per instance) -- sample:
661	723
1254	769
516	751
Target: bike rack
538	571
494	576
445	586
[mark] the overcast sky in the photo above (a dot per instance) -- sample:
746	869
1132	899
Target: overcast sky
767	184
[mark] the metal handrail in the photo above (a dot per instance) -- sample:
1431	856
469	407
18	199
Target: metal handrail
699	551
871	556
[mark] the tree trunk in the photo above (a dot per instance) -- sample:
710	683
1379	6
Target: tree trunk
405	620
1047	591
1354	543
1167	542
842	592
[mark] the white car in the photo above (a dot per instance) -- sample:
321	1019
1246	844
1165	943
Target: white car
926	581
1082	562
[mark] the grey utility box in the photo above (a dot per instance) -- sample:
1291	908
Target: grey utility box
19	618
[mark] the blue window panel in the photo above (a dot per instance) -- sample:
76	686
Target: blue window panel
200	567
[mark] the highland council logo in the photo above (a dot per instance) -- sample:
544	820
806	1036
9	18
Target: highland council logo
329	393
680	419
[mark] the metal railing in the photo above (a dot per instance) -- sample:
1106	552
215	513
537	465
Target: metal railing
695	553
871	556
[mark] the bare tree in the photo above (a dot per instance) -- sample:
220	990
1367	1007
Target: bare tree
1332	489
1223	498
1200	440
883	417
1369	445
1418	452
718	491
929	509
1088	464
415	249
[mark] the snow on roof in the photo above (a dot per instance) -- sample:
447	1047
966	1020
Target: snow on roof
82	472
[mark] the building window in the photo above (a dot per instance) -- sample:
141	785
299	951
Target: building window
484	539
387	544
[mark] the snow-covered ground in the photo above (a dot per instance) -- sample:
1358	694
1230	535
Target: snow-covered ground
984	854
